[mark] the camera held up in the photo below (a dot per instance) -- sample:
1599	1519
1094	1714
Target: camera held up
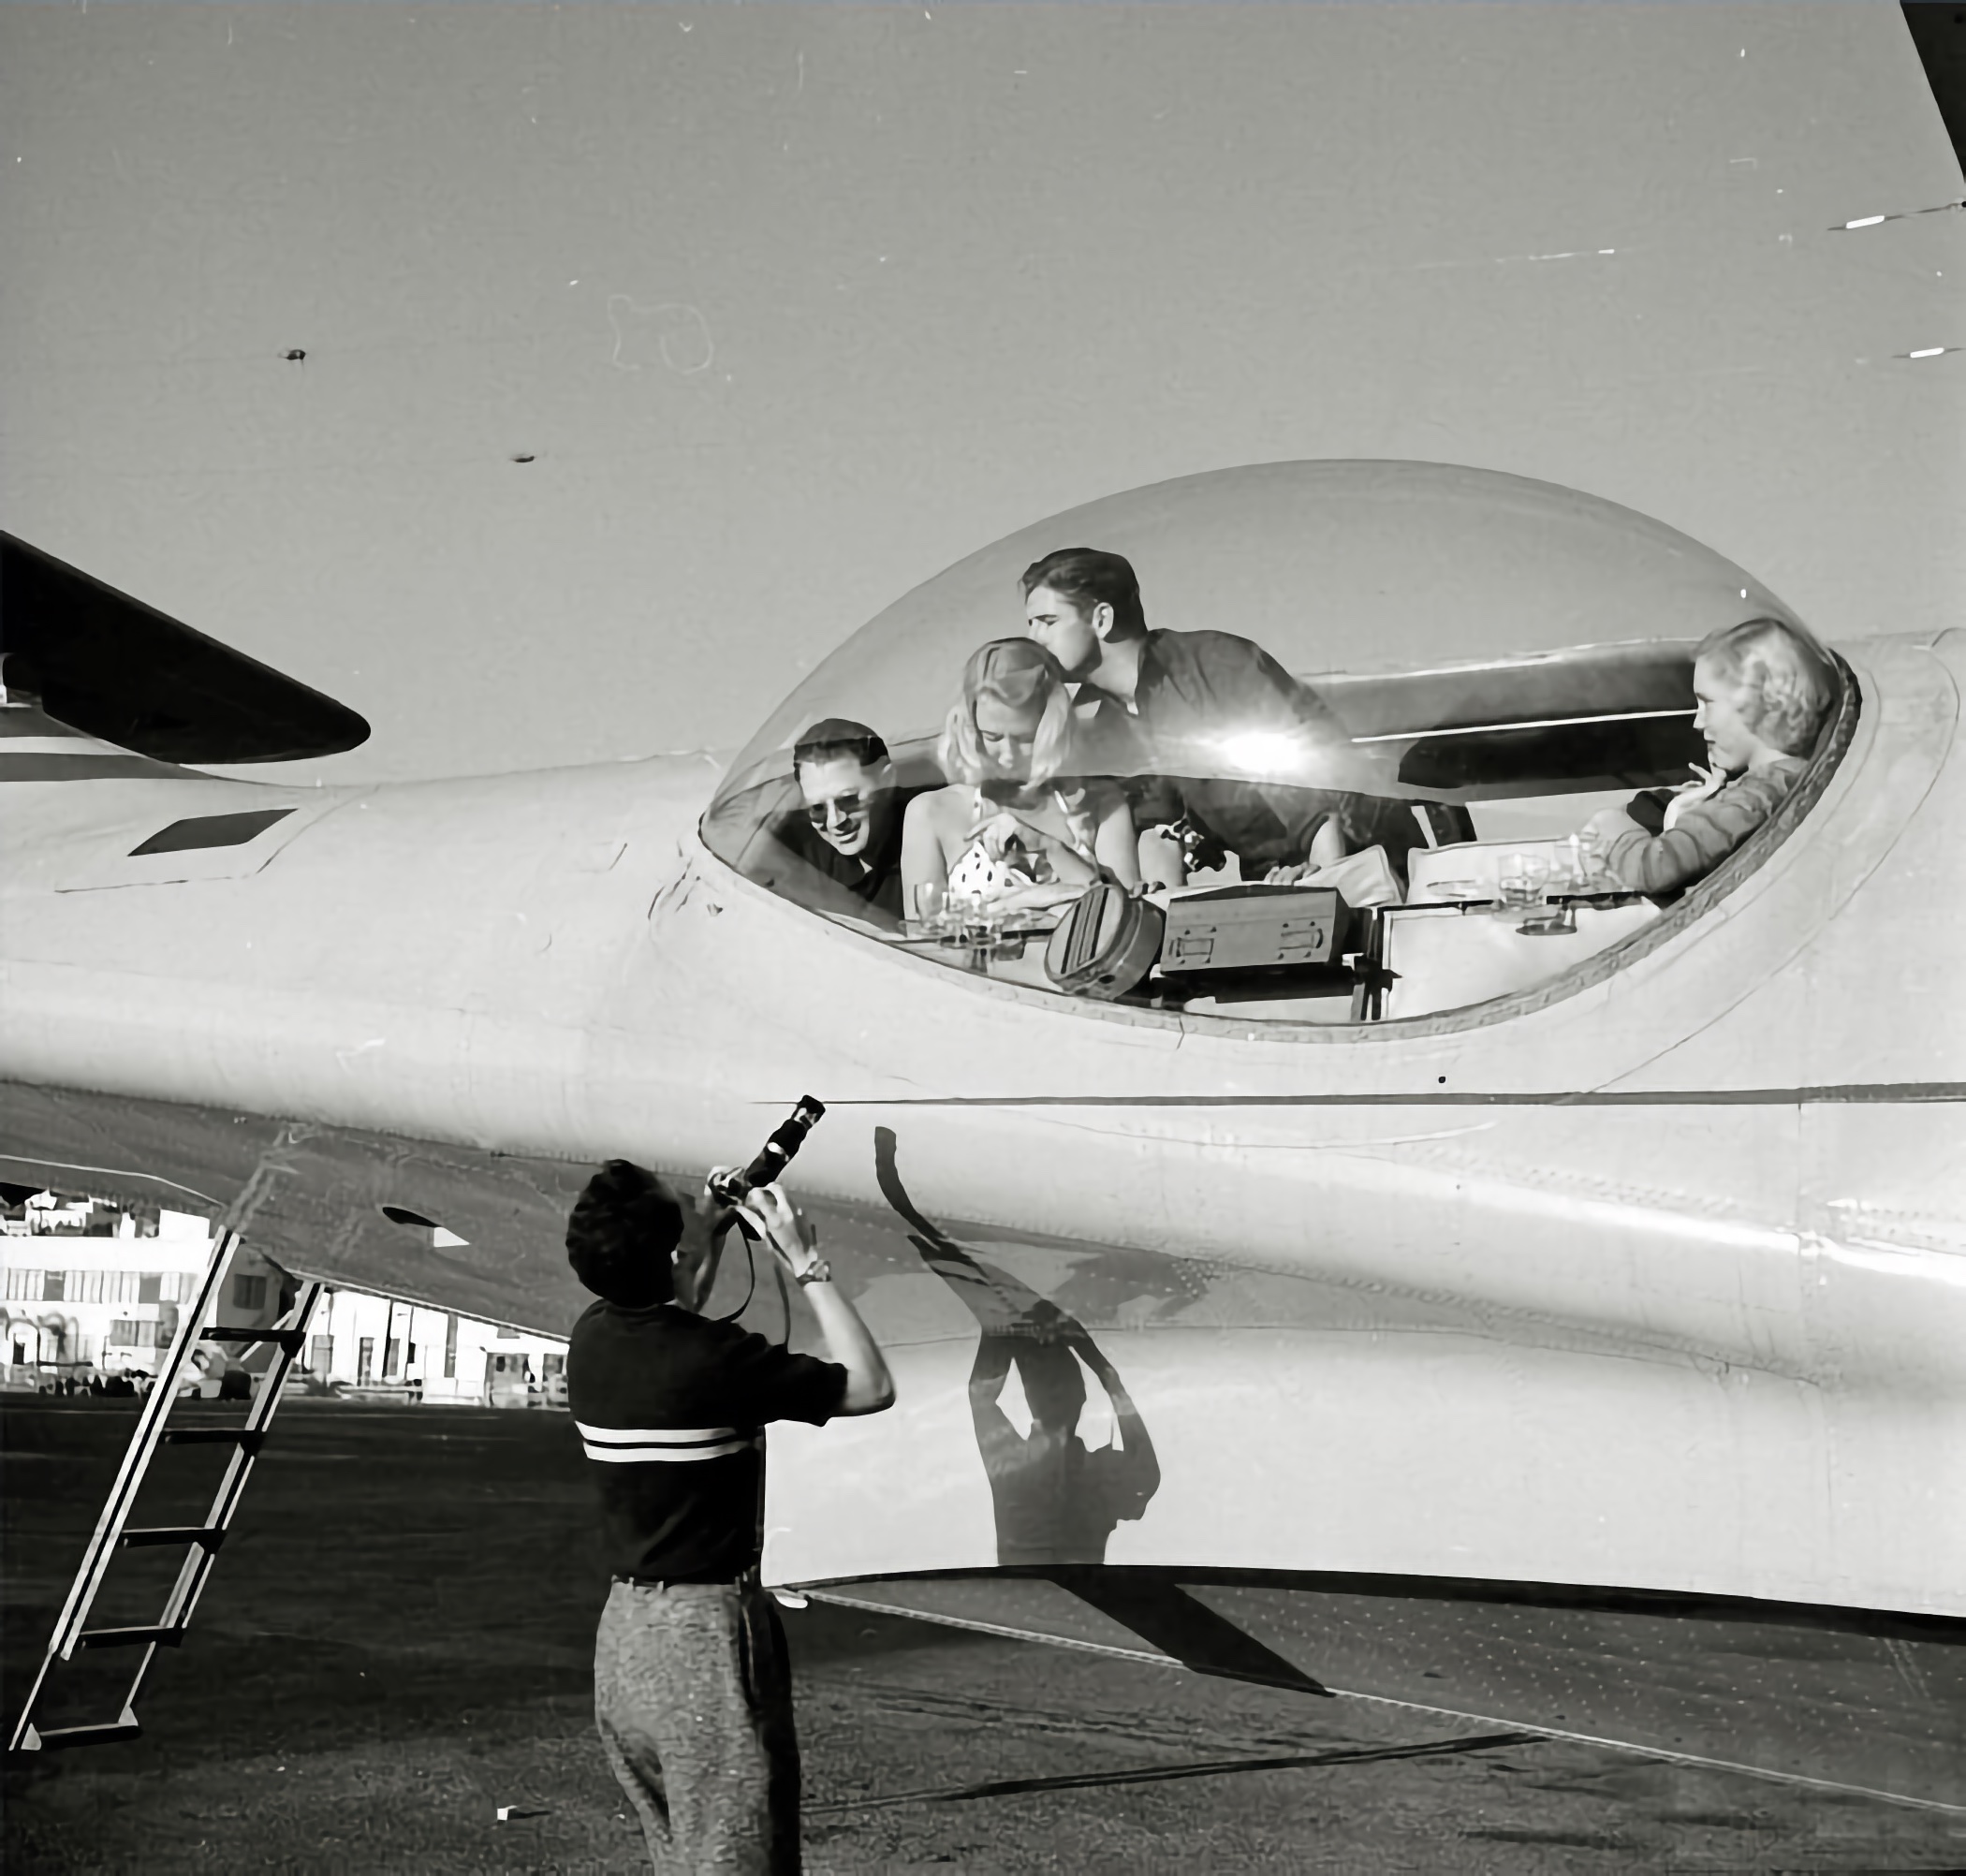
729	1188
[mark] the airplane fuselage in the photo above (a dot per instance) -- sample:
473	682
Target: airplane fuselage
1651	1278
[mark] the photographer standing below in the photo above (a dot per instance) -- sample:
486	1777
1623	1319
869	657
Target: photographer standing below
693	1693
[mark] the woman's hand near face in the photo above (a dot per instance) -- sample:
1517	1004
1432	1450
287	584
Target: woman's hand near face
1710	782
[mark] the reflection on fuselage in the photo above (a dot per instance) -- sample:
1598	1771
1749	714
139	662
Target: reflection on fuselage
1056	1500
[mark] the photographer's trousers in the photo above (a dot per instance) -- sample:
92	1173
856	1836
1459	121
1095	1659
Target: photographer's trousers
692	1696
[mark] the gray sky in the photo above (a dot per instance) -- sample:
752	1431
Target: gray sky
793	306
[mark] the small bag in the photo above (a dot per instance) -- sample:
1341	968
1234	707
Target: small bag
978	870
1015	863
1106	944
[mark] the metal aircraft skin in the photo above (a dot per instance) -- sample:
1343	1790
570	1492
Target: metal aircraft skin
1589	1358
1644	1279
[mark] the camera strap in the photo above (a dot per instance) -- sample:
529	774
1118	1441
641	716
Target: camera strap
749	1232
751	1243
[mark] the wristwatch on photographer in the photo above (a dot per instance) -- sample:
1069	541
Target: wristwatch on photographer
817	1271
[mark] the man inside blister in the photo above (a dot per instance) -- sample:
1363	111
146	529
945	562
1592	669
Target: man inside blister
848	827
1208	725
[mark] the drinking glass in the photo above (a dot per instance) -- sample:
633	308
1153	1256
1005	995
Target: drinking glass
979	926
1520	882
1591	846
930	906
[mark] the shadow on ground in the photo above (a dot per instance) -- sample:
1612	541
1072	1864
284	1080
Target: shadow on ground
397	1639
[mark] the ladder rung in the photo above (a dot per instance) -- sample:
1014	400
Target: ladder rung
106	1734
166	1638
209	1535
203	1540
291	1341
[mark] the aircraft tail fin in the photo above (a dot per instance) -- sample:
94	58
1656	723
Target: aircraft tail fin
112	667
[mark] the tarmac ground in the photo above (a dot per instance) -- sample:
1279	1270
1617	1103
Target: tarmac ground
397	1642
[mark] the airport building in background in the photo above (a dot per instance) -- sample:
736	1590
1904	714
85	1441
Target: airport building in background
95	1290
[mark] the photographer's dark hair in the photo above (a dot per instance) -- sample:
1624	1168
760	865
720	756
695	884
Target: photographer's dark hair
835	736
625	1227
1091	577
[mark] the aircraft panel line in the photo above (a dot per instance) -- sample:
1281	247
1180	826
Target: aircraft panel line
1855	1093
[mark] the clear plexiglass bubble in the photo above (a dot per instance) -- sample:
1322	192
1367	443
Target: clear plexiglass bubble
1477	659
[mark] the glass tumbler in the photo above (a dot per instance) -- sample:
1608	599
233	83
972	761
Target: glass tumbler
1520	882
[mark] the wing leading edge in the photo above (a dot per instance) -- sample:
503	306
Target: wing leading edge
116	668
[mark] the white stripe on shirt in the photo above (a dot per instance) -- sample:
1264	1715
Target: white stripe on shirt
633	1445
632	1456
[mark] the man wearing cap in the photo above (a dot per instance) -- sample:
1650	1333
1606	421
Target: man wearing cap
692	1686
847	831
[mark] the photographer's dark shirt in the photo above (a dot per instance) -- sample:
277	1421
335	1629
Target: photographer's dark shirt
672	1409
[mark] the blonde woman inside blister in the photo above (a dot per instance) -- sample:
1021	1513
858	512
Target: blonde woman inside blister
1013	824
1764	690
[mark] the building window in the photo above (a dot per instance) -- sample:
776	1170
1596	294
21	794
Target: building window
552	1364
248	1293
106	1286
150	1287
391	1354
321	1359
450	1347
123	1334
54	1286
365	1357
23	1287
506	1334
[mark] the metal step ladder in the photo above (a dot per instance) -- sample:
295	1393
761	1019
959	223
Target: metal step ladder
201	1540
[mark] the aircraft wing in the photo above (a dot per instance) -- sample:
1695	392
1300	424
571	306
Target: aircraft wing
476	1231
111	667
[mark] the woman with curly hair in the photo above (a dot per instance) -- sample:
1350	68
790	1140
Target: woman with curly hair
1013	825
1764	689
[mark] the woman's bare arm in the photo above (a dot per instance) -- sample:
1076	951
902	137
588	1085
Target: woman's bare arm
1117	849
923	861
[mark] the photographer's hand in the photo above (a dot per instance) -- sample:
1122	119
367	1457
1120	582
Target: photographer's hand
722	1216
791	1237
868	1385
701	1249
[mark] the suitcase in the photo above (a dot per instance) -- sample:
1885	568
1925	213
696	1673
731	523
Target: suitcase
1252	928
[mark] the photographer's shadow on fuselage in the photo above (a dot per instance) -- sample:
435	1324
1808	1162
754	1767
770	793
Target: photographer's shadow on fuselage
1056	1500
